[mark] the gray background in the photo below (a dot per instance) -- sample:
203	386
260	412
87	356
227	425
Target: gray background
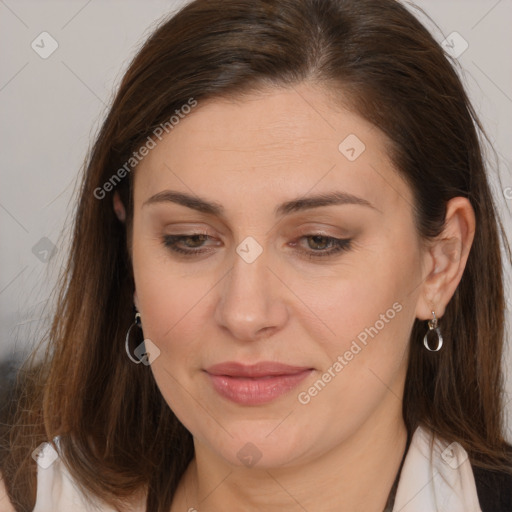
51	108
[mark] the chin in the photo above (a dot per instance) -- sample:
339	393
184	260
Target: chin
260	448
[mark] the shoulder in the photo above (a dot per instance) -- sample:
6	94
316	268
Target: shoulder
494	490
5	503
490	490
57	489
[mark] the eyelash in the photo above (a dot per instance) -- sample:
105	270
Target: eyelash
339	245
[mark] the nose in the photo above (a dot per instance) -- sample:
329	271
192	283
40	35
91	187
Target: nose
251	305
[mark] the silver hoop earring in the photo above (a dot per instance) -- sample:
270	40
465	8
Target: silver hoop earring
432	326
138	323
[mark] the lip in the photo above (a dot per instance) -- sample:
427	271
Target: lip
255	384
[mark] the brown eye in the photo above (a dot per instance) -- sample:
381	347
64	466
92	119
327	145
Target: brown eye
319	242
187	243
319	245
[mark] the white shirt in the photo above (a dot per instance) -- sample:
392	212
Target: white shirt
441	481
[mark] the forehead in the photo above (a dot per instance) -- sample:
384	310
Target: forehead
289	140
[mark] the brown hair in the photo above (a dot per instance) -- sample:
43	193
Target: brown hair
118	435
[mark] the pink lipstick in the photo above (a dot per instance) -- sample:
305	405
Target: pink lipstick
255	384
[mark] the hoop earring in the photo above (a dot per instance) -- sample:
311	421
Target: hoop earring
432	326
138	323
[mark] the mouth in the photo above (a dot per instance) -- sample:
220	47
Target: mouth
255	384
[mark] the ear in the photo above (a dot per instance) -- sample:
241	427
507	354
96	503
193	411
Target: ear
446	258
136	300
119	207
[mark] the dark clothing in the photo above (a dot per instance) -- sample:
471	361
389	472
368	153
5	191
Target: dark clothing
494	490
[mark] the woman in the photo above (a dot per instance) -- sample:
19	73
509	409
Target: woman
285	286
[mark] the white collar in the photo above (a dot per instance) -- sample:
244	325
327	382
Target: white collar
440	480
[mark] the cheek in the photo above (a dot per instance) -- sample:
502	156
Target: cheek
173	315
170	299
360	322
172	309
364	350
365	316
373	284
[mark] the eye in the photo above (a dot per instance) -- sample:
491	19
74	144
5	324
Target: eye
192	242
320	246
324	246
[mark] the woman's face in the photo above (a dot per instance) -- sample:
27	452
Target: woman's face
264	281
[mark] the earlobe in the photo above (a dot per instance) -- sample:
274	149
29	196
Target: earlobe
119	207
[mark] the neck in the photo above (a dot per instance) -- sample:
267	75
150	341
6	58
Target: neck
357	474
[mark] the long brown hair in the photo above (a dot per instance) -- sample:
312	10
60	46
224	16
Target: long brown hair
118	435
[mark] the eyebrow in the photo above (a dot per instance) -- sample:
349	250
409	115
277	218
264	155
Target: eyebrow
286	208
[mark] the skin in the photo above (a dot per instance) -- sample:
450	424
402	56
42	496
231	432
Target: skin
340	451
5	504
